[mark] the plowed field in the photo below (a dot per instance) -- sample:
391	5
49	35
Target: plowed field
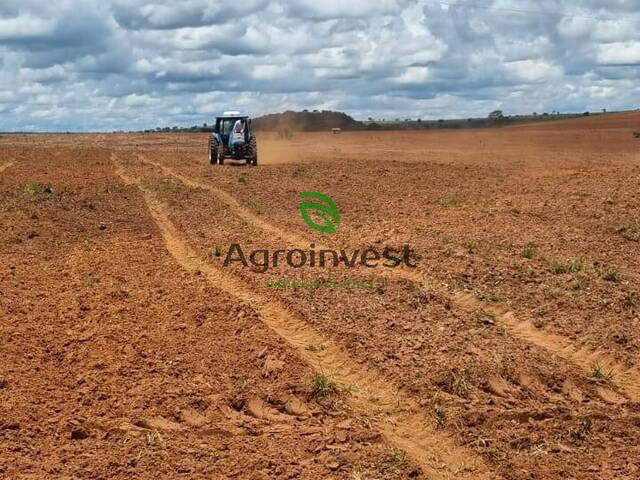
505	346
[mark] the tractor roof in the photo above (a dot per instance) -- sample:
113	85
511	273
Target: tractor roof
233	115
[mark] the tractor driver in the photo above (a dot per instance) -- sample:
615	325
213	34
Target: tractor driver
239	126
238	134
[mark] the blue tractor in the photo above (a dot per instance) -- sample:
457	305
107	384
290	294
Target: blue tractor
232	138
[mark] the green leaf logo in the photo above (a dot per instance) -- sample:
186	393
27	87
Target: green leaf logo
324	208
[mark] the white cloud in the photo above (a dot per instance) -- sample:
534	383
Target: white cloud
414	75
135	100
23	27
619	53
533	70
331	9
144	63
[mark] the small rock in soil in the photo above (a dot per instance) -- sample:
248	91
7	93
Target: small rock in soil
79	434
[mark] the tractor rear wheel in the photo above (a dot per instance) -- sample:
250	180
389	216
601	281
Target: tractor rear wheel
213	153
253	148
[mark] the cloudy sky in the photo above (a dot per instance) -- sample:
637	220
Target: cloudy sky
129	64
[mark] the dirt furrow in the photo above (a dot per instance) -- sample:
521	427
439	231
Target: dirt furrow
396	416
4	166
628	379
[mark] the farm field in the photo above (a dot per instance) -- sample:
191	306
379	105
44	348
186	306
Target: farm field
509	348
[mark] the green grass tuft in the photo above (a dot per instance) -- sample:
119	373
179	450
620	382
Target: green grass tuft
300	171
394	461
161	185
458	382
323	385
451	201
631	300
530	252
472	246
440	416
598	372
569	266
579	284
582	431
36	189
609	274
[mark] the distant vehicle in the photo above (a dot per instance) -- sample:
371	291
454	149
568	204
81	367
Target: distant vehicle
232	138
336	131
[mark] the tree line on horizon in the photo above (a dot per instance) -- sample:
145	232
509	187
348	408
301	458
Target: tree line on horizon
325	120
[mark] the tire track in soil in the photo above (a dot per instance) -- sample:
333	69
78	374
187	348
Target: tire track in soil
396	416
627	379
4	166
232	203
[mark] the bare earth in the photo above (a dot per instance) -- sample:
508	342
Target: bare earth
512	351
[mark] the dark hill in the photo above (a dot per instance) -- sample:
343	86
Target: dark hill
306	121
